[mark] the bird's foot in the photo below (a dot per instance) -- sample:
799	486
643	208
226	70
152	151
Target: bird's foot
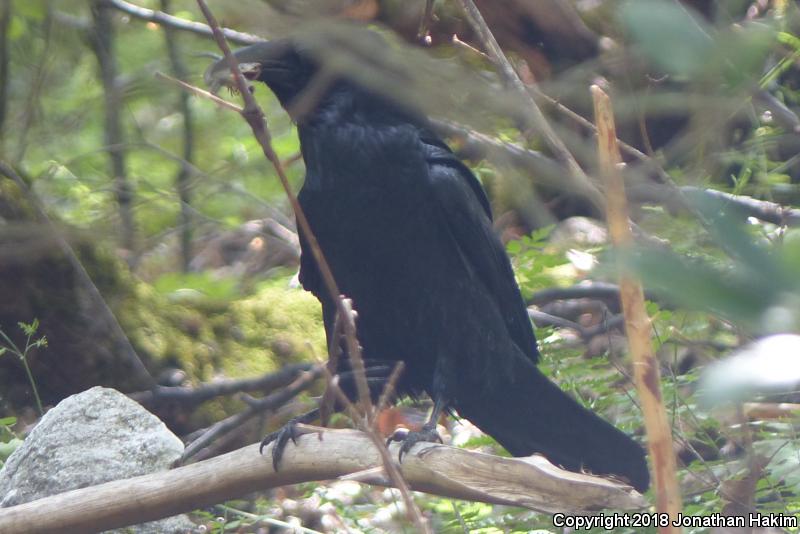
281	438
427	433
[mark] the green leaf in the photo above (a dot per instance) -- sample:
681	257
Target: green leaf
668	35
699	286
9	447
29	328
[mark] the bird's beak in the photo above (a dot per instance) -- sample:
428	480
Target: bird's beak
253	60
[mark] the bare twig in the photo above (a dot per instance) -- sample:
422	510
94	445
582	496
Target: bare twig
649	161
764	210
534	115
270	402
165	19
637	323
255	118
593	290
478	145
390	468
200	92
586	333
192	396
425	21
389	389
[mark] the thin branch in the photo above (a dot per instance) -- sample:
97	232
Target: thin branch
649	161
165	19
535	117
782	114
593	290
764	210
254	408
389	389
192	396
255	118
425	21
200	92
390	468
475	145
586	333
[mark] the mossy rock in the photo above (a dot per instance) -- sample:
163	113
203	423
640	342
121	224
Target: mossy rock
237	337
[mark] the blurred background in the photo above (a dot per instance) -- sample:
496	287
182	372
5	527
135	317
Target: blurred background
145	240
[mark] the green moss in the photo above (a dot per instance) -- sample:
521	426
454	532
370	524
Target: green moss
245	337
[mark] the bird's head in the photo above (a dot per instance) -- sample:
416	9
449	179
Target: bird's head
277	63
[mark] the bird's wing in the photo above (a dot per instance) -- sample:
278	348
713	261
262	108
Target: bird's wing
467	213
310	277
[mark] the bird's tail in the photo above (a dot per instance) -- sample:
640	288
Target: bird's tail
530	414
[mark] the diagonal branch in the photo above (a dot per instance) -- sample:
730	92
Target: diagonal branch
255	118
534	115
270	402
165	19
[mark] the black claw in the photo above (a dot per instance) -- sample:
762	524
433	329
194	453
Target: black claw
409	439
281	438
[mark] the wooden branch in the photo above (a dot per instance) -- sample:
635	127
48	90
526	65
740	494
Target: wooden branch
323	454
254	116
533	114
165	19
637	322
675	198
193	395
541	319
544	168
270	402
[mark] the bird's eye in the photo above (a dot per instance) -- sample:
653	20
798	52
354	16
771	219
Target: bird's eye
250	71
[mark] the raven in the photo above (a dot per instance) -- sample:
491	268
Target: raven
407	230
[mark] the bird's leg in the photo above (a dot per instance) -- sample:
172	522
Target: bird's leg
288	432
427	433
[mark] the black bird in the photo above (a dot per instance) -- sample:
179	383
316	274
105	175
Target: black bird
407	230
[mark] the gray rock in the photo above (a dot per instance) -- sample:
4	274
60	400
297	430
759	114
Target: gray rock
88	439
